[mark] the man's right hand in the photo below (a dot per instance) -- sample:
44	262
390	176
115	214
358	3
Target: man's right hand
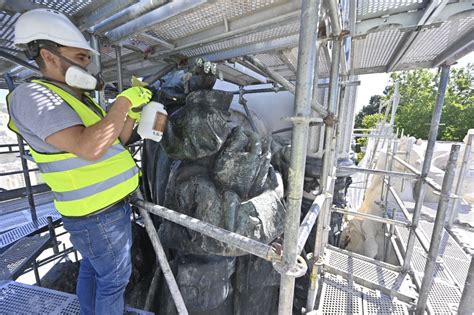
138	97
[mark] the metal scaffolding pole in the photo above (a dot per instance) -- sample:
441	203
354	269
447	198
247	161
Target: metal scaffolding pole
163	261
462	174
437	230
95	44
388	237
299	143
309	220
420	187
278	78
466	305
244	243
24	162
326	180
118	55
371	217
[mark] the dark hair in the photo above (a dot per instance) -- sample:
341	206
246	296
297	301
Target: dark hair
40	62
33	51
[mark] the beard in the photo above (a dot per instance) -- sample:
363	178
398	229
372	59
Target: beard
63	66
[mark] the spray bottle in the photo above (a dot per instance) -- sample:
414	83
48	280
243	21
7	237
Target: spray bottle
153	121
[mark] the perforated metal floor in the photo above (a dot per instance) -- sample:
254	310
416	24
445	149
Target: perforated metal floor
17	233
365	270
19	298
17	258
338	296
450	270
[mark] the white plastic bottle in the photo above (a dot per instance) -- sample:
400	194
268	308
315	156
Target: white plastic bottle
153	121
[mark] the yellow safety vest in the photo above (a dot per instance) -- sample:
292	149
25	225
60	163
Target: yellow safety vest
82	187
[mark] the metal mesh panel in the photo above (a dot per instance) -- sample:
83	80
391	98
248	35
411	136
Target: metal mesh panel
18	298
323	66
277	32
443	298
362	269
338	297
376	303
432	42
107	52
19	254
15	234
448	246
365	7
7	22
72	308
375	49
206	16
419	261
428	44
66	7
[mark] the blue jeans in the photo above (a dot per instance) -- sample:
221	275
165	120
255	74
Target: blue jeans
104	241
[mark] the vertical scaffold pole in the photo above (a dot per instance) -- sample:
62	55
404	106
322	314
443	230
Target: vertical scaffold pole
466	305
437	229
299	142
95	44
326	171
118	55
462	173
420	185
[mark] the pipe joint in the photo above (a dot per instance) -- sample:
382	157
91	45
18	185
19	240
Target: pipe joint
330	120
297	270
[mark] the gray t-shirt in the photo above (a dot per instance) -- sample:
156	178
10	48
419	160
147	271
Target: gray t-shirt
38	113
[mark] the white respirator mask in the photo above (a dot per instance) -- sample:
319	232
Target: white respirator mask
88	79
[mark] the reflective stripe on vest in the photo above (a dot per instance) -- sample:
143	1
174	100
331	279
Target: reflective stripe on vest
82	187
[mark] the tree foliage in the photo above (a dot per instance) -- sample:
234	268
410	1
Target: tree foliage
418	91
370	109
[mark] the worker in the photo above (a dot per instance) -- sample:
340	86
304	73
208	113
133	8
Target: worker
79	149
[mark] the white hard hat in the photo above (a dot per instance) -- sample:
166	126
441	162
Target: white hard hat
47	24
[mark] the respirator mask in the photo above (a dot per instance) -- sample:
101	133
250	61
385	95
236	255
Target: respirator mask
76	76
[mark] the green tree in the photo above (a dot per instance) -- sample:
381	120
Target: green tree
418	91
368	122
371	108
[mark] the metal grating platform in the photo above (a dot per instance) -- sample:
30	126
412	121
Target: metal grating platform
18	257
450	271
364	270
18	298
15	234
338	296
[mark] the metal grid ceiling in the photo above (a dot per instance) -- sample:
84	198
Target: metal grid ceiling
375	50
370	7
276	32
7	22
205	16
67	7
431	42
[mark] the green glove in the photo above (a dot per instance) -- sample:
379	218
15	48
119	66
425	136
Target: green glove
138	96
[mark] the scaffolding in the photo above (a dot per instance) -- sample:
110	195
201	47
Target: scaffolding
330	267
